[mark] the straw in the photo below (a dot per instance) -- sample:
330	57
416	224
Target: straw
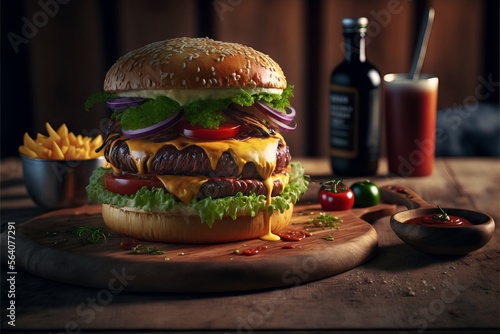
423	39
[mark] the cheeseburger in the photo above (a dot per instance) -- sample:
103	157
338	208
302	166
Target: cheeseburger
194	144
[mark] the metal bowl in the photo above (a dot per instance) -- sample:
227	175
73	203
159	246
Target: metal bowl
56	184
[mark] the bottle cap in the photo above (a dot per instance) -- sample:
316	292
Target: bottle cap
357	24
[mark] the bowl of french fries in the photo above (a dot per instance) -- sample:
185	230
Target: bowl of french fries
57	166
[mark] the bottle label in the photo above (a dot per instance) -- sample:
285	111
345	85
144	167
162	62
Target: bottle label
344	119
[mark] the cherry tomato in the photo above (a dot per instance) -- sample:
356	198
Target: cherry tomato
225	131
366	193
129	184
334	195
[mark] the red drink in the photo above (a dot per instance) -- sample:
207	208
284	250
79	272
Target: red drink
410	118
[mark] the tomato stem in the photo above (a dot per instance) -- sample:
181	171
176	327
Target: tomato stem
443	216
334	186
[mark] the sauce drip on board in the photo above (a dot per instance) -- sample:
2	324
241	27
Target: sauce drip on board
254	251
269	236
293	235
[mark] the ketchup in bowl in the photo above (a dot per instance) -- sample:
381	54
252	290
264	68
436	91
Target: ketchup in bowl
440	220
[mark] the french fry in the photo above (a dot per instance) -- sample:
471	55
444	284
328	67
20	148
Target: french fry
64	141
52	133
96	142
72	139
27	152
40	150
63	131
79	140
71	153
57	153
60	144
40	138
80	154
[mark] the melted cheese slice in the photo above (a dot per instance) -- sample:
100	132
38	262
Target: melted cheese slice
185	188
182	187
260	151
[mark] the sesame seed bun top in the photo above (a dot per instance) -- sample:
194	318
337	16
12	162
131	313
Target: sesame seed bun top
193	64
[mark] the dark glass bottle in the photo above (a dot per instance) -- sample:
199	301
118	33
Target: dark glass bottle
355	107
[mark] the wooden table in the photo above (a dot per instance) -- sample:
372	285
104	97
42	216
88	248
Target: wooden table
401	290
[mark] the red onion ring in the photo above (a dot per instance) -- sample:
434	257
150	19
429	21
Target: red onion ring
125	102
153	129
283	126
273	122
277	114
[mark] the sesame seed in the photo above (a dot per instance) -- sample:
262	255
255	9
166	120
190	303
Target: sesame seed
197	79
199	69
203	81
213	69
183	65
184	82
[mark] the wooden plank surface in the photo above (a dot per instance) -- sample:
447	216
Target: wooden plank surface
400	289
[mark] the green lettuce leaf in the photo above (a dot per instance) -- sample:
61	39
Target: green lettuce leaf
210	210
206	113
151	112
278	101
96	98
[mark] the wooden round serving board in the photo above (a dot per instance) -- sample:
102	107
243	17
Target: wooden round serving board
46	247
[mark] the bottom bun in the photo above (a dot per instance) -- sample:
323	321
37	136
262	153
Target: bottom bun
179	228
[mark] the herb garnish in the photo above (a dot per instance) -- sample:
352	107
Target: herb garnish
326	220
91	235
146	250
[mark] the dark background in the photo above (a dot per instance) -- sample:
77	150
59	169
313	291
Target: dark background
49	68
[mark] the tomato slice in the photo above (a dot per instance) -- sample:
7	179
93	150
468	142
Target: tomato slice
129	184
225	131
